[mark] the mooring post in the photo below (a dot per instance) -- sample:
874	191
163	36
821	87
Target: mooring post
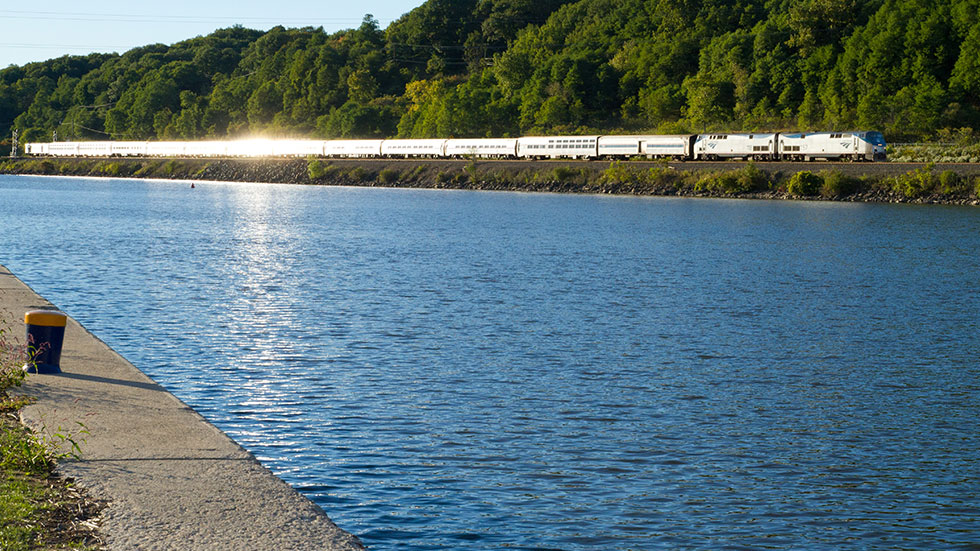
45	337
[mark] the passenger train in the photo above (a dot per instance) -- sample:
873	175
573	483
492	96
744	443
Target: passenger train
798	146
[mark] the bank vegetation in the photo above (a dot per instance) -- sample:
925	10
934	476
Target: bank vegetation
877	182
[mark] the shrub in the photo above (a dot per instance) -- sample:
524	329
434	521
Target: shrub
497	177
388	176
171	167
470	169
315	169
359	174
662	176
41	167
416	172
751	178
108	168
949	182
618	173
743	180
836	184
804	184
565	174
916	183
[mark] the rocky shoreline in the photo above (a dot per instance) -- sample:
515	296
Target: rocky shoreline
957	184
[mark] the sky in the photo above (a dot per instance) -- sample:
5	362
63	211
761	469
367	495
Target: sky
36	31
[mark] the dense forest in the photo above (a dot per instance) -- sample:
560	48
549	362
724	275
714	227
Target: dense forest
475	68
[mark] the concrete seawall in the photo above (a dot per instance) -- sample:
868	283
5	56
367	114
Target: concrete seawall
171	479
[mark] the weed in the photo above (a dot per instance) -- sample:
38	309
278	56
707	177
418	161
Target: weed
22	452
33	504
13	356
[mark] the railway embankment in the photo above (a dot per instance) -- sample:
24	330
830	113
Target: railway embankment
867	182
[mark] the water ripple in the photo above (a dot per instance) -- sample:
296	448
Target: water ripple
445	370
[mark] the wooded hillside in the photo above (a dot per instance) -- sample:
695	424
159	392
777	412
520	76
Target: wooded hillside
473	68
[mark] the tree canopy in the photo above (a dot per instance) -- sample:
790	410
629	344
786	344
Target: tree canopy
475	68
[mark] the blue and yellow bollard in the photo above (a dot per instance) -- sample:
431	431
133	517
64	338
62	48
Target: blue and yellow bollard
45	336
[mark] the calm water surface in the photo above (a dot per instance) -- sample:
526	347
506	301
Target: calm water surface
459	370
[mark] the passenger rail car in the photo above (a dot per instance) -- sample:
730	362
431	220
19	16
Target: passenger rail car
810	146
651	147
352	148
554	147
497	148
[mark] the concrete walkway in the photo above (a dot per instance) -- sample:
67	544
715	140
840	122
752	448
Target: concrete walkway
171	479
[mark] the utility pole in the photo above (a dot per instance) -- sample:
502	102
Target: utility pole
13	145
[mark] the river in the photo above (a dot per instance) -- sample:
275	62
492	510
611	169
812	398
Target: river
478	370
